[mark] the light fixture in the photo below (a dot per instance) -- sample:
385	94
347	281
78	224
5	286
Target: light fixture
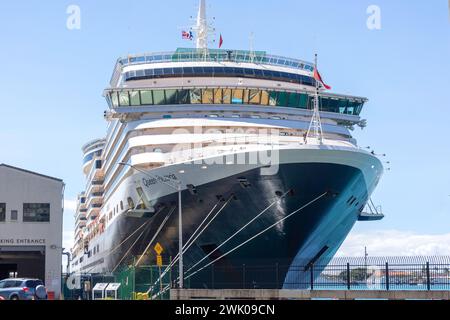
181	171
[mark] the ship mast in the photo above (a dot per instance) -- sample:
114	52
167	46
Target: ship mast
315	126
202	26
202	29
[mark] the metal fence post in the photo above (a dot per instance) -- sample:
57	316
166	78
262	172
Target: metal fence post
243	276
312	276
276	275
212	276
428	277
387	276
348	276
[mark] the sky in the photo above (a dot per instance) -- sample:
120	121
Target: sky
53	77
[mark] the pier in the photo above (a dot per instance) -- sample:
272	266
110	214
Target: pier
271	294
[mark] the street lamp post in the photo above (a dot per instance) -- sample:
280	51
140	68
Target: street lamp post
180	218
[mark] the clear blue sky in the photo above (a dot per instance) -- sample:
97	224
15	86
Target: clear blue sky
52	80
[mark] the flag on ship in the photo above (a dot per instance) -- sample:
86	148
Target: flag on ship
220	41
187	35
319	78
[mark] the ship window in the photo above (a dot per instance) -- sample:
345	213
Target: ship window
171	96
36	212
130	203
303	101
183	96
146	97
124	99
207	97
227	96
272	98
293	100
159	97
246	96
264	98
196	96
158	72
217	95
255	96
282	99
114	99
237	96
134	98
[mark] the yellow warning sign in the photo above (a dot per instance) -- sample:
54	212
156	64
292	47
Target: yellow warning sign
158	249
159	261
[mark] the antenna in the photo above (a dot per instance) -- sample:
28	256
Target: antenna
316	125
252	51
203	29
202	26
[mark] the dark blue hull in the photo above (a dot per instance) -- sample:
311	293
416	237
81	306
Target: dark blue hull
269	260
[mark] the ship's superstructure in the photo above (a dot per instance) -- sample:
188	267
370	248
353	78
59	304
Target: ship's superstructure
232	128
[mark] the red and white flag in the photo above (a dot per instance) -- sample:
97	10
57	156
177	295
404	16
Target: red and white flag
187	35
319	78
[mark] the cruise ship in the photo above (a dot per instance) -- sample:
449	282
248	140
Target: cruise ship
243	155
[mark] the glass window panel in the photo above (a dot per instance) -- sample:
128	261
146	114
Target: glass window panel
303	103
237	96
149	72
134	98
282	99
255	96
114	99
183	96
36	212
207	96
158	72
217	95
249	72
264	97
171	96
272	98
124	99
258	73
227	96
293	100
146	97
158	97
246	96
188	71
178	71
196	96
208	70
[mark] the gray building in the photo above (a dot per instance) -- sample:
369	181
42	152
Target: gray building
31	217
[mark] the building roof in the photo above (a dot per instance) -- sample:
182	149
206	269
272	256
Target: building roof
30	172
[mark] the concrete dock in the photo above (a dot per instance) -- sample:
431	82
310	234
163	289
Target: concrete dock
271	294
